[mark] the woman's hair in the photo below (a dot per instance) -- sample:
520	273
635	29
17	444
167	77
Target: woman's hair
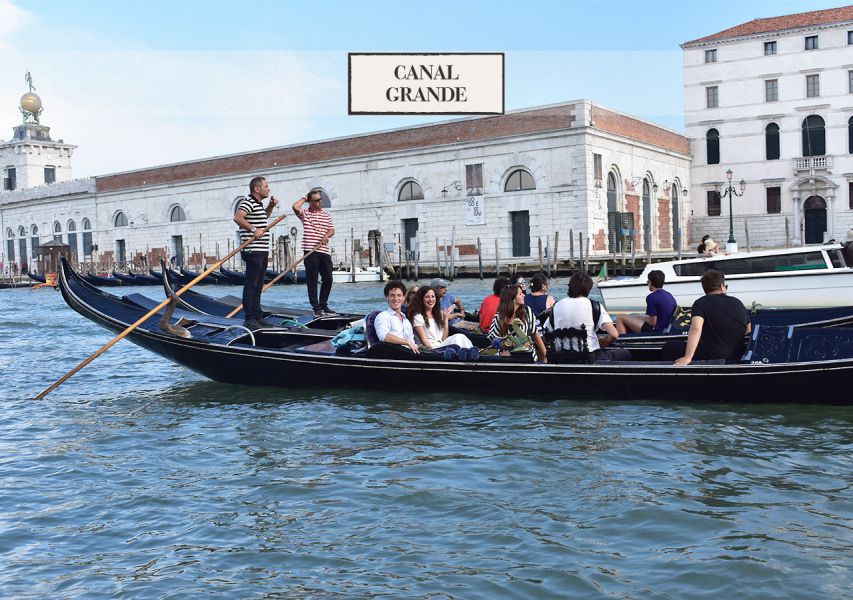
410	293
579	285
417	306
701	248
538	282
507	310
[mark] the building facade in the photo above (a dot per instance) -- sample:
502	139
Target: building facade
501	182
772	100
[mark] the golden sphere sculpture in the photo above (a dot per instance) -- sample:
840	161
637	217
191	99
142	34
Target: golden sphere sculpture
31	103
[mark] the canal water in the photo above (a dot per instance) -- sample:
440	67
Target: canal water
139	479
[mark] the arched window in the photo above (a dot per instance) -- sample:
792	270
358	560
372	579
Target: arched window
814	136
87	238
326	202
72	236
120	220
850	135
57	231
177	214
22	248
22	231
411	190
10	244
647	215
519	180
771	141
614	226
34	240
712	143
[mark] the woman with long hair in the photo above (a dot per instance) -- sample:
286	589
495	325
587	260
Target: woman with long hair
510	308
431	323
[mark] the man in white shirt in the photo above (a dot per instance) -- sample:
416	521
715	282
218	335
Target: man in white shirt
577	310
391	325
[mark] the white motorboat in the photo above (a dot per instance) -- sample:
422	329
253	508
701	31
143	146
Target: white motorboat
807	276
362	274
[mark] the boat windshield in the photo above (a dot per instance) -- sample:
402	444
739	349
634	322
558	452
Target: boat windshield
747	265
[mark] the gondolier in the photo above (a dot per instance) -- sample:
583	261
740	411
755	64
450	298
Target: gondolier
317	229
251	216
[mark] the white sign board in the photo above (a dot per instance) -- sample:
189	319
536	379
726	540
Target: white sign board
433	83
476	210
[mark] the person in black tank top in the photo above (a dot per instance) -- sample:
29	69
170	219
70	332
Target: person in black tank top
538	298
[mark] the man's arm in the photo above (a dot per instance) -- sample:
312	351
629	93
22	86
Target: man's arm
458	303
329	233
696	324
297	206
240	219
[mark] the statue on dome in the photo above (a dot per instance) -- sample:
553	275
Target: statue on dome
30	106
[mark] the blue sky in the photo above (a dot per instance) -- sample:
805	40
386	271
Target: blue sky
136	84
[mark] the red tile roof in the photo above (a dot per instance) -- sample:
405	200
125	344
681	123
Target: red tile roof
783	23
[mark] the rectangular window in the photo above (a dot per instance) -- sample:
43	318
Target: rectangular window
850	194
710	56
520	221
811	42
713	203
850	82
50	174
10	180
771	90
712	96
769	48
812	86
850	38
596	163
474	179
774	200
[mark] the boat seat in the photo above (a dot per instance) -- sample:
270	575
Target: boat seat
370	328
324	347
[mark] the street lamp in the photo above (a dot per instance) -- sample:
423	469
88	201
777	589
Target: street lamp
731	245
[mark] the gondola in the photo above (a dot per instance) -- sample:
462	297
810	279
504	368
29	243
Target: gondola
101	280
213	278
144	278
125	279
36	278
783	365
233	277
221	307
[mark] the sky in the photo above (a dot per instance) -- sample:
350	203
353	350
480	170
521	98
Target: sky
136	84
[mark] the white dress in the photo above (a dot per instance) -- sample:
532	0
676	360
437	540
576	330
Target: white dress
434	332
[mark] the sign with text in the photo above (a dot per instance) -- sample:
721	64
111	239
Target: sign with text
476	214
420	84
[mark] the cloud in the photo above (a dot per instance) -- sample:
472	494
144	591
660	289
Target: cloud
12	19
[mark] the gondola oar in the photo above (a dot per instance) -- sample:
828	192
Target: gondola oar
279	276
153	311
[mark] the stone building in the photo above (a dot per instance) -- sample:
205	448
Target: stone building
506	180
772	100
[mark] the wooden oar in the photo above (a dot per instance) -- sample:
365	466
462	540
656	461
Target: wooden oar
277	277
153	311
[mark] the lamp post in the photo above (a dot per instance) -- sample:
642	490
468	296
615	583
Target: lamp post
731	245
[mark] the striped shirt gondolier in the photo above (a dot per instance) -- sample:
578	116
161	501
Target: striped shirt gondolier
257	216
315	225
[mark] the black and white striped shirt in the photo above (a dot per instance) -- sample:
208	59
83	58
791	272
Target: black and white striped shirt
256	215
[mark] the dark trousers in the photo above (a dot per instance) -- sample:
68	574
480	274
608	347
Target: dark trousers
320	264
256	267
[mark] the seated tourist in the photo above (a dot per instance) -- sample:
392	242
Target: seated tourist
708	247
513	315
407	300
430	323
717	328
660	305
490	303
578	311
538	299
391	325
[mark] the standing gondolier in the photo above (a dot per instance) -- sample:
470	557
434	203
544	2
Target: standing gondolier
251	216
317	228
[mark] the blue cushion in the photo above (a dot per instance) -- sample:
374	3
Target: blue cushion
370	328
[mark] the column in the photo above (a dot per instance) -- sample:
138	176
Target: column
797	226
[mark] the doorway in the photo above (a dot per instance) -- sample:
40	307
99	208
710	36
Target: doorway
814	219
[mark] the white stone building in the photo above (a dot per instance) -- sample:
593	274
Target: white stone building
531	172
772	100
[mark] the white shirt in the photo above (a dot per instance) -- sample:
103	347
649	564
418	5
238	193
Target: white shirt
388	322
574	312
434	333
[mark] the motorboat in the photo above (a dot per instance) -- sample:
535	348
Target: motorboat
362	275
807	276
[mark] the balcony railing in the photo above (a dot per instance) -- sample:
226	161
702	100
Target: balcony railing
812	163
